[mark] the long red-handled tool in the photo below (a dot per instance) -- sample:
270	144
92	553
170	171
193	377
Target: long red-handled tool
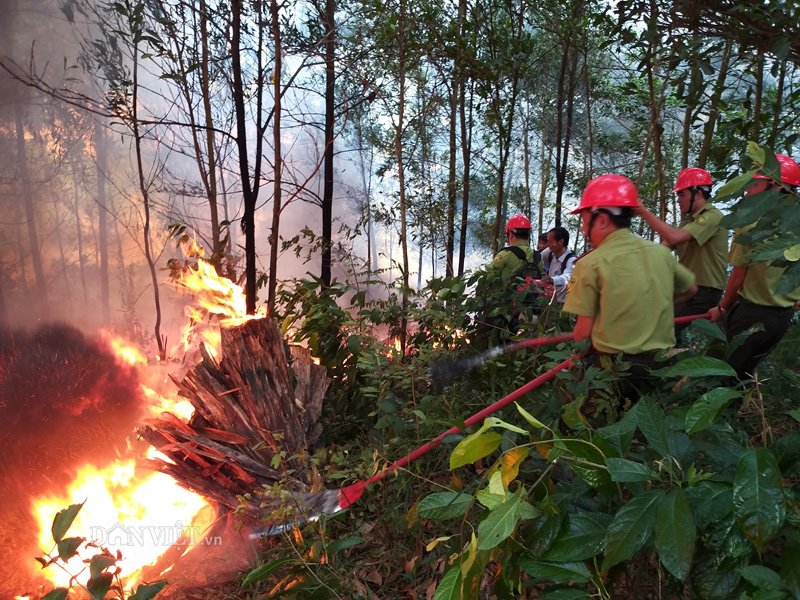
314	504
311	506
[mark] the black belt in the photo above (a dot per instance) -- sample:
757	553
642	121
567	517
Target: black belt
765	307
708	289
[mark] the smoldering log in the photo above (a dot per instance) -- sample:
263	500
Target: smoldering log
260	400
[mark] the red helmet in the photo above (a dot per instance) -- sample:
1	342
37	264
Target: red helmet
608	190
790	172
692	177
517	222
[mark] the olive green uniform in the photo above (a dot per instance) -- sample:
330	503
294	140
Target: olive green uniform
506	263
627	285
705	255
757	303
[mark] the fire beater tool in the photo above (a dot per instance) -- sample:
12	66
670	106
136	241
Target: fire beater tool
311	506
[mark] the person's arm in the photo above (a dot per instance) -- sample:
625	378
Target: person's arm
583	328
735	283
686	295
563	279
670	236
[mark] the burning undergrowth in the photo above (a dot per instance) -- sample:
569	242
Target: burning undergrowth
65	401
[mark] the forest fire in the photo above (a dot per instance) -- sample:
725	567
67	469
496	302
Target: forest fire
127	507
133	512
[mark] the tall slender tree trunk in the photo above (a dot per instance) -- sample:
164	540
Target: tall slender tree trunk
713	109
452	188
466	139
466	151
249	190
101	153
62	254
210	173
40	285
758	97
144	189
526	161
401	181
276	138
778	106
79	232
330	97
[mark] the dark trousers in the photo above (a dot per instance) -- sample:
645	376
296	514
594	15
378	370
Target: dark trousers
744	315
705	299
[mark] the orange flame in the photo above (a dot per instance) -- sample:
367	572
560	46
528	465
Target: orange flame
215	295
134	511
139	516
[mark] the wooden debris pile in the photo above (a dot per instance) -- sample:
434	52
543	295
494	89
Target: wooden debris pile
260	400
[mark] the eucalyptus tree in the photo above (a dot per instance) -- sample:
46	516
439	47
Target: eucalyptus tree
504	43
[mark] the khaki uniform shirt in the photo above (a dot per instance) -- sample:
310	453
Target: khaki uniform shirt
706	253
627	285
761	278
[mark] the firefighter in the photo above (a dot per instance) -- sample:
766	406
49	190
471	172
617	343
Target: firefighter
623	291
518	235
501	318
750	296
701	244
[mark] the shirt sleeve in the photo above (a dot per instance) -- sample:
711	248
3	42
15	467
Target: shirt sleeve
704	227
583	293
563	279
684	279
736	255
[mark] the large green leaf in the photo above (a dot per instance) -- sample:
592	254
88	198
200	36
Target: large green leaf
708	329
620	434
63	521
711	501
675	534
763	578
449	587
717	577
707	408
631	527
99	563
262	572
444	505
474	447
581	537
790	560
149	591
758	501
750	209
587	456
790	280
735	184
650	420
566	594
98	586
500	523
556	572
544	532
68	547
700	366
625	470
56	594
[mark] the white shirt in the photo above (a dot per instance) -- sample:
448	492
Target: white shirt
561	279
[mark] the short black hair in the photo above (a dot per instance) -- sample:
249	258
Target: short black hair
622	221
562	235
523	234
543	237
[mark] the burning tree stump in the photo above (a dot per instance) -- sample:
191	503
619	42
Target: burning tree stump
256	414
